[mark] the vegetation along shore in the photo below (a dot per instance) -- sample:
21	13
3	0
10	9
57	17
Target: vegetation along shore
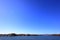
13	34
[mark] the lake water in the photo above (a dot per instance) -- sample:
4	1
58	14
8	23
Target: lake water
30	38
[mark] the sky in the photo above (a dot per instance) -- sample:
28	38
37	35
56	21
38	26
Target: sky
30	16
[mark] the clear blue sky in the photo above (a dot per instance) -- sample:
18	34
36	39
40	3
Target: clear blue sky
30	16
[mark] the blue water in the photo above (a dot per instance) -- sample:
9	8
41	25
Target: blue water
30	38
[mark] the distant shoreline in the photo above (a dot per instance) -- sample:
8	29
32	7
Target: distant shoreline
13	34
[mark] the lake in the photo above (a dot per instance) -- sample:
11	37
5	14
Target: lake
30	38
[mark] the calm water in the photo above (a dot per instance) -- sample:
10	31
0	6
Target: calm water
31	38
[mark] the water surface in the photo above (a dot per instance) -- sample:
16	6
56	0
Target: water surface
30	38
